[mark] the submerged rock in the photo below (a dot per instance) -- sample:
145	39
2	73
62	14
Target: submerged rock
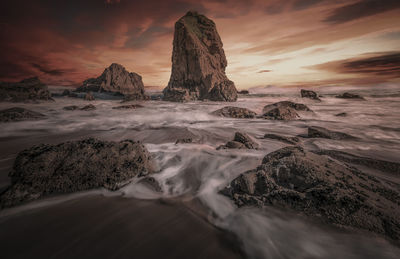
71	108
285	139
342	114
350	96
309	94
88	107
198	63
234	112
89	96
126	107
115	79
75	166
284	110
30	89
243	92
240	141
183	141
320	132
317	186
19	114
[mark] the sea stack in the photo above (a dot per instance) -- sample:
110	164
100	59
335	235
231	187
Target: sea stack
198	63
115	79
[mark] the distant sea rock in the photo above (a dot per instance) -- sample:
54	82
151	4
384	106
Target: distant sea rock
19	114
320	187
350	96
75	166
115	79
243	92
27	90
309	94
198	63
234	112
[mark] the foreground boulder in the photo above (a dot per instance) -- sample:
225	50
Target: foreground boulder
309	94
350	96
317	186
75	166
240	141
284	110
115	79
320	132
234	112
19	114
198	63
30	89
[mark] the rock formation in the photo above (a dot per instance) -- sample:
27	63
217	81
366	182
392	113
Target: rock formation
75	166
198	63
309	94
115	79
240	141
350	96
126	107
285	139
19	114
30	89
317	186
284	110
234	112
320	132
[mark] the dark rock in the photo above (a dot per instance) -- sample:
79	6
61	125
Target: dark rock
30	89
183	141
73	95
350	96
319	132
342	114
309	94
89	96
286	104
126	107
71	108
317	186
115	79
281	113
234	112
285	139
66	92
243	92
88	107
240	141
198	63
75	166
19	114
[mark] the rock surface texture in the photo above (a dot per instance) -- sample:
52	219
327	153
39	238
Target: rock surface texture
19	114
75	166
309	94
30	89
234	112
284	110
317	186
198	63
115	79
240	141
320	132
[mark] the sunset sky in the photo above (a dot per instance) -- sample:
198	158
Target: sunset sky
267	42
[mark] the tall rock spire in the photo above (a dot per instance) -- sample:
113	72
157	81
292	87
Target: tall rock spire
198	63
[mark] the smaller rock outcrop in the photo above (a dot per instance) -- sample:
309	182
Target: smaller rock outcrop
320	132
319	187
30	89
309	94
342	114
115	79
128	107
19	114
350	96
234	112
240	141
284	110
75	166
183	141
88	107
286	104
285	139
89	96
243	92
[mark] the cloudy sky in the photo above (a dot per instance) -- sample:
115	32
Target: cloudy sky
267	42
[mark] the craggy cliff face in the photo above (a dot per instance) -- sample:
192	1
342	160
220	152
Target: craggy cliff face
198	63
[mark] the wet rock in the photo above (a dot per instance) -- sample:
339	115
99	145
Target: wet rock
89	97
240	141
184	141
317	186
75	166
126	107
115	79
309	94
243	92
88	107
198	63
27	90
135	97
286	104
342	114
19	114
71	108
73	95
285	139
281	113
66	92
350	96
320	132
234	112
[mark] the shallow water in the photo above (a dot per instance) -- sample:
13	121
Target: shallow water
197	171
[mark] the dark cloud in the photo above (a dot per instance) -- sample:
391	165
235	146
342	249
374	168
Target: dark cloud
49	71
361	9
